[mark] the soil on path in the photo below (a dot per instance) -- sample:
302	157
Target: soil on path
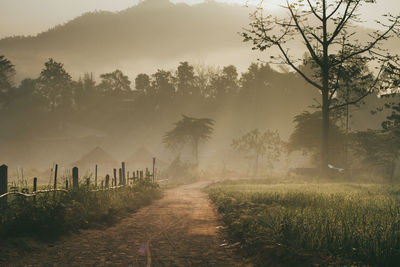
178	230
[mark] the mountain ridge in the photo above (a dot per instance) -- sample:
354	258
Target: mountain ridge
140	34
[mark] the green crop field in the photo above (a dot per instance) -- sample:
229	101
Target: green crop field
356	223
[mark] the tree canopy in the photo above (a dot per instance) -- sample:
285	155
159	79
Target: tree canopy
189	130
255	144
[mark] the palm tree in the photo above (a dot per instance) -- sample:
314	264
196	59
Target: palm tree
189	131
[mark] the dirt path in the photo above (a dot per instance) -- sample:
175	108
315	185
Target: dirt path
178	230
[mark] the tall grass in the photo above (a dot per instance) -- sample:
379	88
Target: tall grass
51	214
357	222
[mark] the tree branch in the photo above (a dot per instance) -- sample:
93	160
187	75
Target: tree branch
314	11
369	91
288	61
371	45
302	32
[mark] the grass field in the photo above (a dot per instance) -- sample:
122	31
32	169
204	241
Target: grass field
356	223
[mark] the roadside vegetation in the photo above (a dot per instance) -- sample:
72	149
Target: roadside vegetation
52	214
344	223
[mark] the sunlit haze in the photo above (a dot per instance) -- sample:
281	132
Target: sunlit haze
27	17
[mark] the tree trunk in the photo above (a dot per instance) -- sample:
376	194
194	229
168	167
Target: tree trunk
325	134
325	94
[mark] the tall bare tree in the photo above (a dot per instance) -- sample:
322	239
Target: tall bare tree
328	32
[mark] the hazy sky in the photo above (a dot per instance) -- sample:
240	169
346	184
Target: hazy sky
19	17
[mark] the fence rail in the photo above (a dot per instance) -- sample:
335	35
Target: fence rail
33	193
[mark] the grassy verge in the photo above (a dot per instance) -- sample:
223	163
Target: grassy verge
52	214
312	223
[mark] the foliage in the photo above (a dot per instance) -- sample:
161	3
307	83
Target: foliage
114	83
49	215
256	144
142	83
378	149
351	221
189	130
7	71
55	84
307	136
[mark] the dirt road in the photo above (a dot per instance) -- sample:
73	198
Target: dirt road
178	230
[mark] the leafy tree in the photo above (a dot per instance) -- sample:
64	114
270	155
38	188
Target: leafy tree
185	77
307	136
225	83
85	90
143	83
256	144
163	84
190	131
324	26
7	71
378	149
115	83
56	85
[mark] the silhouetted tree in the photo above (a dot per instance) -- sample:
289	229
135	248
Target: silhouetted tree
163	84
115	83
185	77
225	84
307	136
143	83
324	27
85	91
379	151
189	131
256	144
56	85
7	71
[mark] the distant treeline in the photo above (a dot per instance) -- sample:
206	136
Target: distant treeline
261	97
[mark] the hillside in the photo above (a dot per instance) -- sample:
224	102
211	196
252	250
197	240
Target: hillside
152	33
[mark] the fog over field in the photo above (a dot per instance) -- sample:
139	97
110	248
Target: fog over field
199	133
145	38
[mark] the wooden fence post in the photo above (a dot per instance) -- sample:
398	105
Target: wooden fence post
154	165
107	181
115	177
34	184
75	178
55	176
120	176
123	174
66	184
95	177
3	186
34	188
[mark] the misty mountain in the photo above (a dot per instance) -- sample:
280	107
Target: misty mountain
152	33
